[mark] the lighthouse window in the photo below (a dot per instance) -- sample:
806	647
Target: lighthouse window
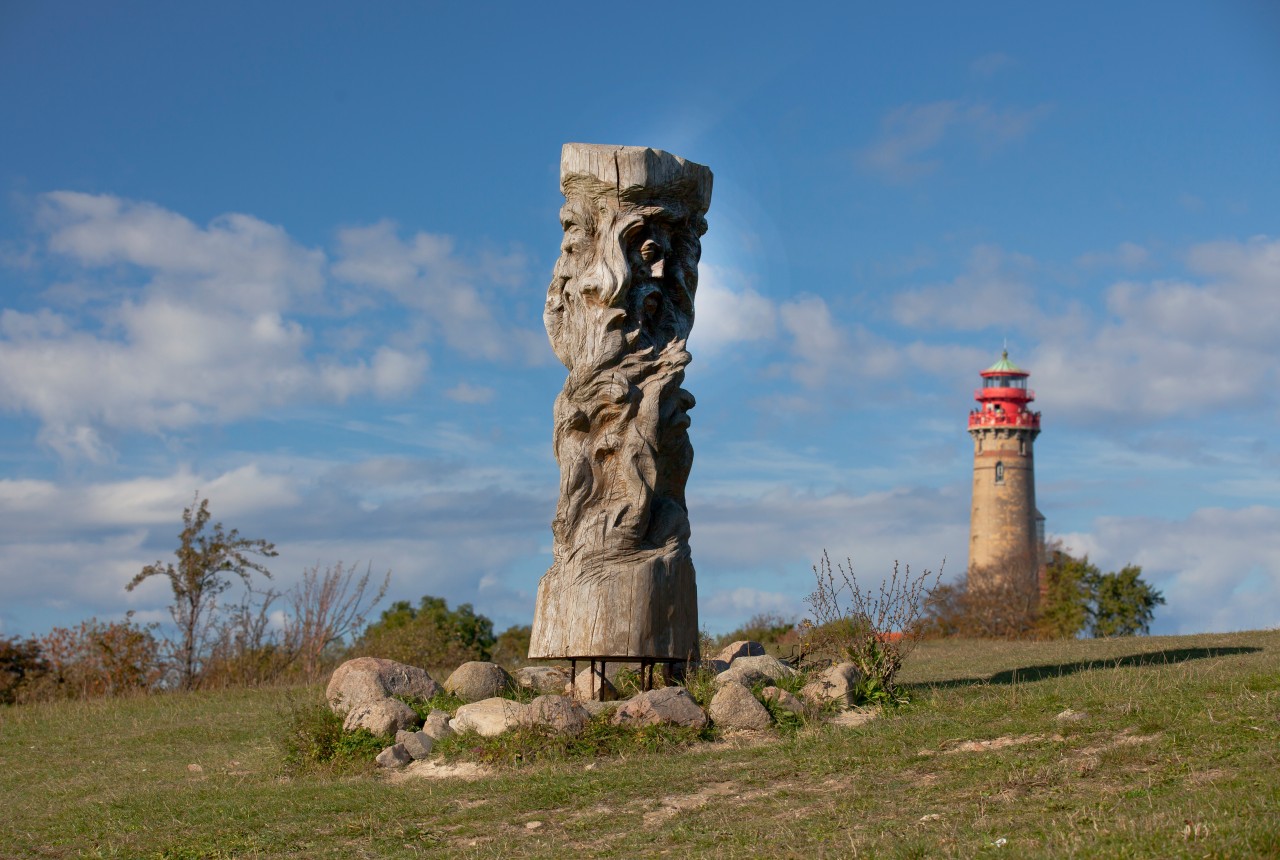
1000	473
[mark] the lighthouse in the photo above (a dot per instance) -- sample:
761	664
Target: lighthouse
1006	532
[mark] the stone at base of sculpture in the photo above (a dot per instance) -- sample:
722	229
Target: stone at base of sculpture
619	311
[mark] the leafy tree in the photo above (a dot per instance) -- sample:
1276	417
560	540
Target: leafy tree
205	562
21	663
512	646
430	635
1065	612
1121	603
1078	598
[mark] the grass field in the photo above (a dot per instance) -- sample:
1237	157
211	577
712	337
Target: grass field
1178	756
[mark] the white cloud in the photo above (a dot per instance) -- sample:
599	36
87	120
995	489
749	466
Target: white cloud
1172	347
1219	569
911	133
988	65
454	296
994	278
465	392
1126	255
729	311
742	603
440	531
166	324
236	262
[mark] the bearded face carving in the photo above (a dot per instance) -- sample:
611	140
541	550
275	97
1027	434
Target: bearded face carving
619	311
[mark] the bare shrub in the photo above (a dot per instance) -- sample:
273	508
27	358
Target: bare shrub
1005	607
327	609
245	650
874	630
96	658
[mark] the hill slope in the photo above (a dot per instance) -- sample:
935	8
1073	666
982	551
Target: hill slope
1176	755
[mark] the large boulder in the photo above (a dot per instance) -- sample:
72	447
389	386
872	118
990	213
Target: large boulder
733	707
543	679
367	679
752	670
838	683
489	717
741	648
558	713
382	717
478	680
672	706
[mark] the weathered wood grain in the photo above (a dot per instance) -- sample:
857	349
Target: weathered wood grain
619	311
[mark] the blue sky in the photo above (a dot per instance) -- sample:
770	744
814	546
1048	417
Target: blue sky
293	257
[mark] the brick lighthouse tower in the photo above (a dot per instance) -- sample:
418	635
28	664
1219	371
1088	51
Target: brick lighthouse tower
1006	532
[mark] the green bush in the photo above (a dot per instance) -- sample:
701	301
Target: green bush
314	739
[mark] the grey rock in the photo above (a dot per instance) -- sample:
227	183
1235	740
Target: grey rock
667	706
394	756
752	670
383	717
558	713
741	648
784	699
478	680
488	717
367	679
418	745
436	725
1070	716
595	708
401	735
733	707
544	679
837	684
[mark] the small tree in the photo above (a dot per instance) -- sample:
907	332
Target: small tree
1122	604
1067	595
205	562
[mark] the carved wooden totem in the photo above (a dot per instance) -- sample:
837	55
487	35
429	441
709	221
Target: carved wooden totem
619	310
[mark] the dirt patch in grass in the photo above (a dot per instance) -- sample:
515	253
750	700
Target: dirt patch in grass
463	770
673	804
999	743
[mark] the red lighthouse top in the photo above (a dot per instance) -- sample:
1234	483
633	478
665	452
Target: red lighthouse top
1004	397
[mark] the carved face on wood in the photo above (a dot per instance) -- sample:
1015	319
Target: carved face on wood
627	270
